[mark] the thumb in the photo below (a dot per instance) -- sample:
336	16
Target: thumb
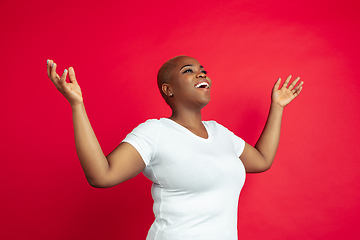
72	75
277	85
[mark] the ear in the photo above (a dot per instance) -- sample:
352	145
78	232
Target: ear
166	89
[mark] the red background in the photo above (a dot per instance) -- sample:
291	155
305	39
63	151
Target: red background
116	48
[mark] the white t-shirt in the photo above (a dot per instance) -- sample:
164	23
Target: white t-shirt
196	181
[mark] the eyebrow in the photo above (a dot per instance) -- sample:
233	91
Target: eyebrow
189	65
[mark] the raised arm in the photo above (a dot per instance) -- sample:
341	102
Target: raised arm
101	171
260	158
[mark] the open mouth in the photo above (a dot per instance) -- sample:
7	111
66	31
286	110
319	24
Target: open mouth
203	85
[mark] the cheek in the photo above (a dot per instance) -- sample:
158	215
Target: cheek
183	84
209	80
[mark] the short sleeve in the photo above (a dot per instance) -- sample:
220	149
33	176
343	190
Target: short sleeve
144	139
239	144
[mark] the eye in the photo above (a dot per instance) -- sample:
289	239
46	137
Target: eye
188	71
203	71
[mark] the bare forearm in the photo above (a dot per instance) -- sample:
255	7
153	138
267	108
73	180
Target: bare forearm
269	139
123	163
261	157
91	156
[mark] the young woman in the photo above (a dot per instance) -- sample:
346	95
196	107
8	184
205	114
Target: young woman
197	167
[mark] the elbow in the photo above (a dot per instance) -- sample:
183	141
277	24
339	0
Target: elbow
96	183
102	182
261	166
258	169
266	165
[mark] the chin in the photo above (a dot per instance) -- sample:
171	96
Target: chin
205	102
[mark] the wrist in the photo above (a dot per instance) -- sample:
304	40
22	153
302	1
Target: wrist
276	106
77	106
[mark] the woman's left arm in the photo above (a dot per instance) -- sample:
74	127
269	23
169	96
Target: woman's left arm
260	158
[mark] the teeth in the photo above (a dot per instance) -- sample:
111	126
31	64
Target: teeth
202	84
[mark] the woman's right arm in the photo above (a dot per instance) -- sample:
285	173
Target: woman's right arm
123	163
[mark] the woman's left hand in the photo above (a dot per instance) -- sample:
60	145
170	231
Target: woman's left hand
286	93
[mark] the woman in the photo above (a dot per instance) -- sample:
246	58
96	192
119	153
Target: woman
197	167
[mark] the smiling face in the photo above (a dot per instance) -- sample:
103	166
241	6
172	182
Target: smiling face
187	85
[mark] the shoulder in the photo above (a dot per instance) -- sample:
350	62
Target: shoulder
146	132
144	138
223	133
220	129
212	124
149	124
148	129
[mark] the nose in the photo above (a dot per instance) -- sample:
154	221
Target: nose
201	74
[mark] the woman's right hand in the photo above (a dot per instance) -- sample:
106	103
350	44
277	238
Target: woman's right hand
71	90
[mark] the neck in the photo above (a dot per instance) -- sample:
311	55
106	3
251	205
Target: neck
187	118
190	120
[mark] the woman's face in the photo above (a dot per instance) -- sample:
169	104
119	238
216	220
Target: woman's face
189	85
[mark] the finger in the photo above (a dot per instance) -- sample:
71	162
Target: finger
72	75
276	85
62	80
293	84
296	91
53	74
48	67
286	82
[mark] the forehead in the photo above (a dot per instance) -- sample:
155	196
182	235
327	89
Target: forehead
183	61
